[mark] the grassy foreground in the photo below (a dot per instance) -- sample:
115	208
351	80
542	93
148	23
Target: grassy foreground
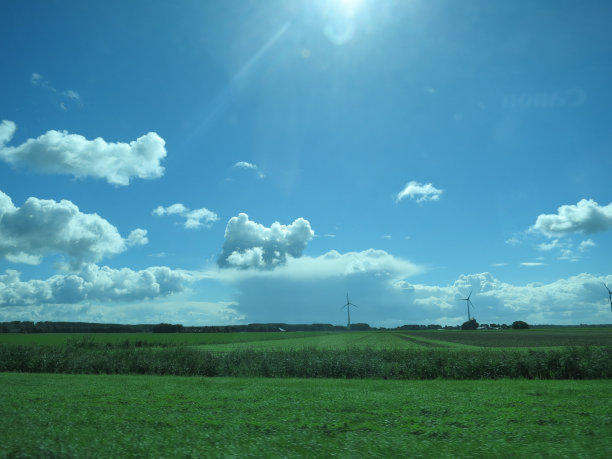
110	416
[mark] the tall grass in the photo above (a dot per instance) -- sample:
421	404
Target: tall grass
87	356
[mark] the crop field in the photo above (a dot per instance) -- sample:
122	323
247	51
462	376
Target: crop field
380	355
543	337
392	339
527	393
106	416
152	339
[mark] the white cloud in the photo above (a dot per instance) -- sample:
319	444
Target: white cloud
577	299
7	130
41	227
531	263
62	153
546	246
24	258
167	310
332	264
138	237
93	284
586	244
39	80
514	240
419	192
174	209
246	165
566	248
70	94
313	289
249	258
248	244
585	217
193	218
567	253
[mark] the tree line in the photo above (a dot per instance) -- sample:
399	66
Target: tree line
90	327
87	327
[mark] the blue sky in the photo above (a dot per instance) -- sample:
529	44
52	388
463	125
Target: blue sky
236	162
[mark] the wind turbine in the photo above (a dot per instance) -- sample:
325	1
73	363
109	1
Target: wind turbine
348	311
609	295
468	302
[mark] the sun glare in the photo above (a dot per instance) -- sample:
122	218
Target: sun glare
341	19
349	7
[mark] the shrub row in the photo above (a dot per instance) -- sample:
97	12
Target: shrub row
565	363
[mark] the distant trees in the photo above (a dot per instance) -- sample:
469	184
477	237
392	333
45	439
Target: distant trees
167	328
71	327
520	325
419	327
469	325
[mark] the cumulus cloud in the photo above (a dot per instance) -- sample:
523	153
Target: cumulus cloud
172	309
420	192
574	300
253	167
577	299
62	153
93	284
332	264
313	289
248	244
138	237
41	227
194	219
585	217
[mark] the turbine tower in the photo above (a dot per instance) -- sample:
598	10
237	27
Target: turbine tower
609	295
468	302
348	311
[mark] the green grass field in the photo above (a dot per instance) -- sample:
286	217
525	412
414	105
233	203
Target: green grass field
442	339
105	416
161	339
145	415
